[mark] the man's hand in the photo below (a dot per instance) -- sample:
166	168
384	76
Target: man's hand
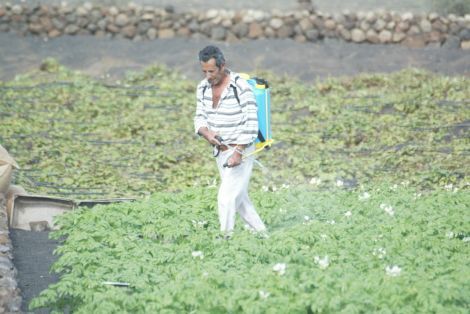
210	136
237	157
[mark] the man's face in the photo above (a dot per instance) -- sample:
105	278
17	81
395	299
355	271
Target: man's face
212	73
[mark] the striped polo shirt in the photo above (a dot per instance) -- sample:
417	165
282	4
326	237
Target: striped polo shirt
236	123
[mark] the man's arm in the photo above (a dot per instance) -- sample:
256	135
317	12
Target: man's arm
249	128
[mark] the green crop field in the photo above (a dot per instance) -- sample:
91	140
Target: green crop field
364	192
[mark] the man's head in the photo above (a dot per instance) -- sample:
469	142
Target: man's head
213	64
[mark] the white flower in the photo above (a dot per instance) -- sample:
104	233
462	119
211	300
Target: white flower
394	187
265	188
405	183
323	236
388	209
205	274
348	214
339	183
393	271
449	187
417	195
450	234
364	196
466	239
280	268
380	252
197	254
281	210
315	181
323	263
331	222
306	218
285	186
264	294
212	184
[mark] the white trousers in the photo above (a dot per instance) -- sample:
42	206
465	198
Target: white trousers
233	193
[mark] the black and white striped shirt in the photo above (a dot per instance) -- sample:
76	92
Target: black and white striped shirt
236	123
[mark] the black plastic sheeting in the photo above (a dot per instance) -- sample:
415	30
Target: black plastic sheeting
33	258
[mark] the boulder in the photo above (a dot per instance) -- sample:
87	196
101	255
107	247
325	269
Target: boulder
385	36
372	36
358	35
465	45
415	41
255	30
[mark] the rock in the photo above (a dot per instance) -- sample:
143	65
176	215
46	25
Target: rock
464	34
166	33
372	36
4	239
300	38
121	20
276	23
365	26
17	9
402	26
344	33
183	32
451	42
414	30
169	9
434	37
398	37
454	28
46	23
425	26
113	11
379	25
385	36
54	33
112	28
241	30
285	31
255	30
312	34
58	24
35	28
433	16
330	24
465	45
305	24
439	26
71	18
371	17
218	33
71	29
408	16
357	35
129	31
152	33
415	41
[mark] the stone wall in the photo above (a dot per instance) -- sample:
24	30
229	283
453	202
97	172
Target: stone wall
10	298
304	25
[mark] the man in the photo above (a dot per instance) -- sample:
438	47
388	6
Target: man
226	116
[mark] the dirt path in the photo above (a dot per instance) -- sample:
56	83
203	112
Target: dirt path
308	61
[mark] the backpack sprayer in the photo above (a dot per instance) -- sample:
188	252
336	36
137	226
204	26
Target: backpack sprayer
262	93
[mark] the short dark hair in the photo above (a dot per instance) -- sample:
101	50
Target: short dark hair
210	52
